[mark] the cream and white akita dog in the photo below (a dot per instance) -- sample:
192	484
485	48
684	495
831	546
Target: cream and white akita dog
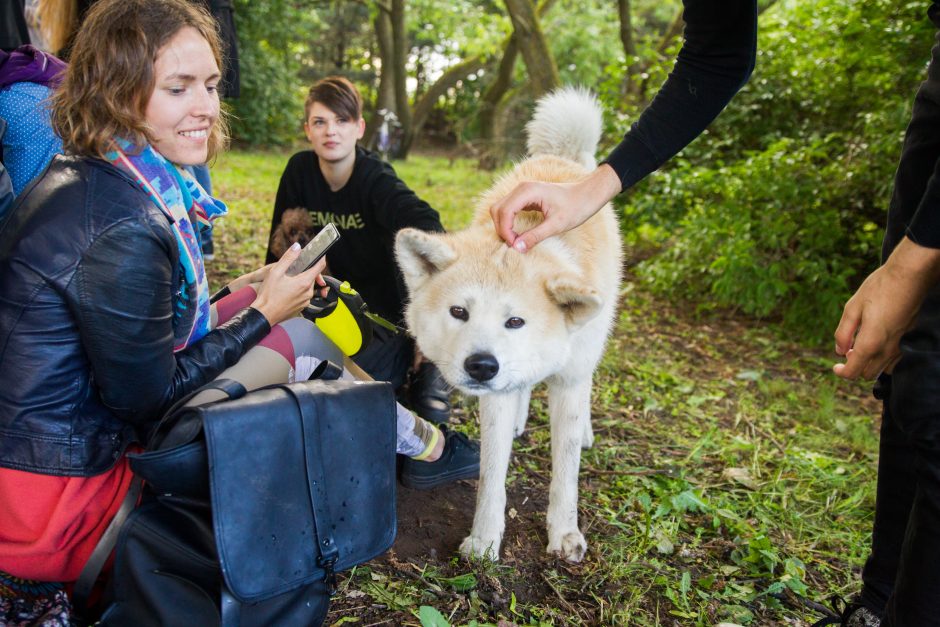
497	322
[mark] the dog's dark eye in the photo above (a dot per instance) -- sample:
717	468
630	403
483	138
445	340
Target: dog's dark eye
514	323
460	313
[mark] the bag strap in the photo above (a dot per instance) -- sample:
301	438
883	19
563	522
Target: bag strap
326	370
99	556
313	460
231	611
81	593
230	387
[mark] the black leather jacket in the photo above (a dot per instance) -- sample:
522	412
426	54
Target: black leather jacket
88	271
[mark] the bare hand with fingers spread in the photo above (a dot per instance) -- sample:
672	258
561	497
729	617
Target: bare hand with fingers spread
882	309
280	296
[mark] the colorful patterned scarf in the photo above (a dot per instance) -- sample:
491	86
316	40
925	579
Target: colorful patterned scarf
185	204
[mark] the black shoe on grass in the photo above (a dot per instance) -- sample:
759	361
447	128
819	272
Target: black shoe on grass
851	614
459	460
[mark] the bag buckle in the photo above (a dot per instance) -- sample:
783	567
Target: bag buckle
329	574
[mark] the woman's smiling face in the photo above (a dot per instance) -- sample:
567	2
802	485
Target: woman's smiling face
184	104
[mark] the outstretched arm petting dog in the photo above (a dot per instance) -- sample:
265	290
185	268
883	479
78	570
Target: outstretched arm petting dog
715	61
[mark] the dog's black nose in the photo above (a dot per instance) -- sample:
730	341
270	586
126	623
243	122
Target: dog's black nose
481	366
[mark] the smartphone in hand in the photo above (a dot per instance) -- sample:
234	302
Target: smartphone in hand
314	250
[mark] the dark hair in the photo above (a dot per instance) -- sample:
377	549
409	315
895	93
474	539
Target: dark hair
110	76
338	95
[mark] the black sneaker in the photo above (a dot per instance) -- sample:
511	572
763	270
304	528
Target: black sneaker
851	614
429	395
459	460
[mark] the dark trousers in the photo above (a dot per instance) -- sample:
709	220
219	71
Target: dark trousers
388	356
902	575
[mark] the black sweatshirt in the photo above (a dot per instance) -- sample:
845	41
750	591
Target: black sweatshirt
716	59
368	211
915	204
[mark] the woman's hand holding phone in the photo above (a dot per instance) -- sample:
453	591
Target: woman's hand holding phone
281	296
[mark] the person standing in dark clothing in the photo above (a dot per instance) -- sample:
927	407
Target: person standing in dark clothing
716	60
224	14
890	329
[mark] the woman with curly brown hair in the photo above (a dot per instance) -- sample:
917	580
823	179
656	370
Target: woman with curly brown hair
105	318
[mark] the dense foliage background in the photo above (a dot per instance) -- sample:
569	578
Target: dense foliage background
776	211
779	209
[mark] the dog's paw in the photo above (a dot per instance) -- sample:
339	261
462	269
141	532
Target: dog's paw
587	436
473	546
571	547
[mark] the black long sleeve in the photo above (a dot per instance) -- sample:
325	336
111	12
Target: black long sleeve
716	60
916	200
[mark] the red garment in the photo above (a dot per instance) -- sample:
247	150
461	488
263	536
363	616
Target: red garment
50	525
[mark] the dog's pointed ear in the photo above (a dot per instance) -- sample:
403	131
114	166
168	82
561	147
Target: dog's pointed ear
421	255
579	302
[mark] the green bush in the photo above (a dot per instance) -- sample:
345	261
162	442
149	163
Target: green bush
769	235
269	111
778	210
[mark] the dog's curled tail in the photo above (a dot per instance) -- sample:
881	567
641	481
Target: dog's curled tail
566	123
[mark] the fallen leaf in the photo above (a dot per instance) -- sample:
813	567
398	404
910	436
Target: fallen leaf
742	476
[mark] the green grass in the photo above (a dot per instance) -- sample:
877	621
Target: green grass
450	186
732	475
247	183
770	464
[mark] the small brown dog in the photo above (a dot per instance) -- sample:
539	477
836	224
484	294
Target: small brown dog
296	226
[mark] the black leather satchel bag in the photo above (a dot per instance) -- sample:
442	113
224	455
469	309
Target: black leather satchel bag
254	503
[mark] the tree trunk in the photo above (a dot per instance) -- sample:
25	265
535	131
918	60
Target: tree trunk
767	4
400	60
489	115
385	96
543	73
426	102
674	30
630	83
489	106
